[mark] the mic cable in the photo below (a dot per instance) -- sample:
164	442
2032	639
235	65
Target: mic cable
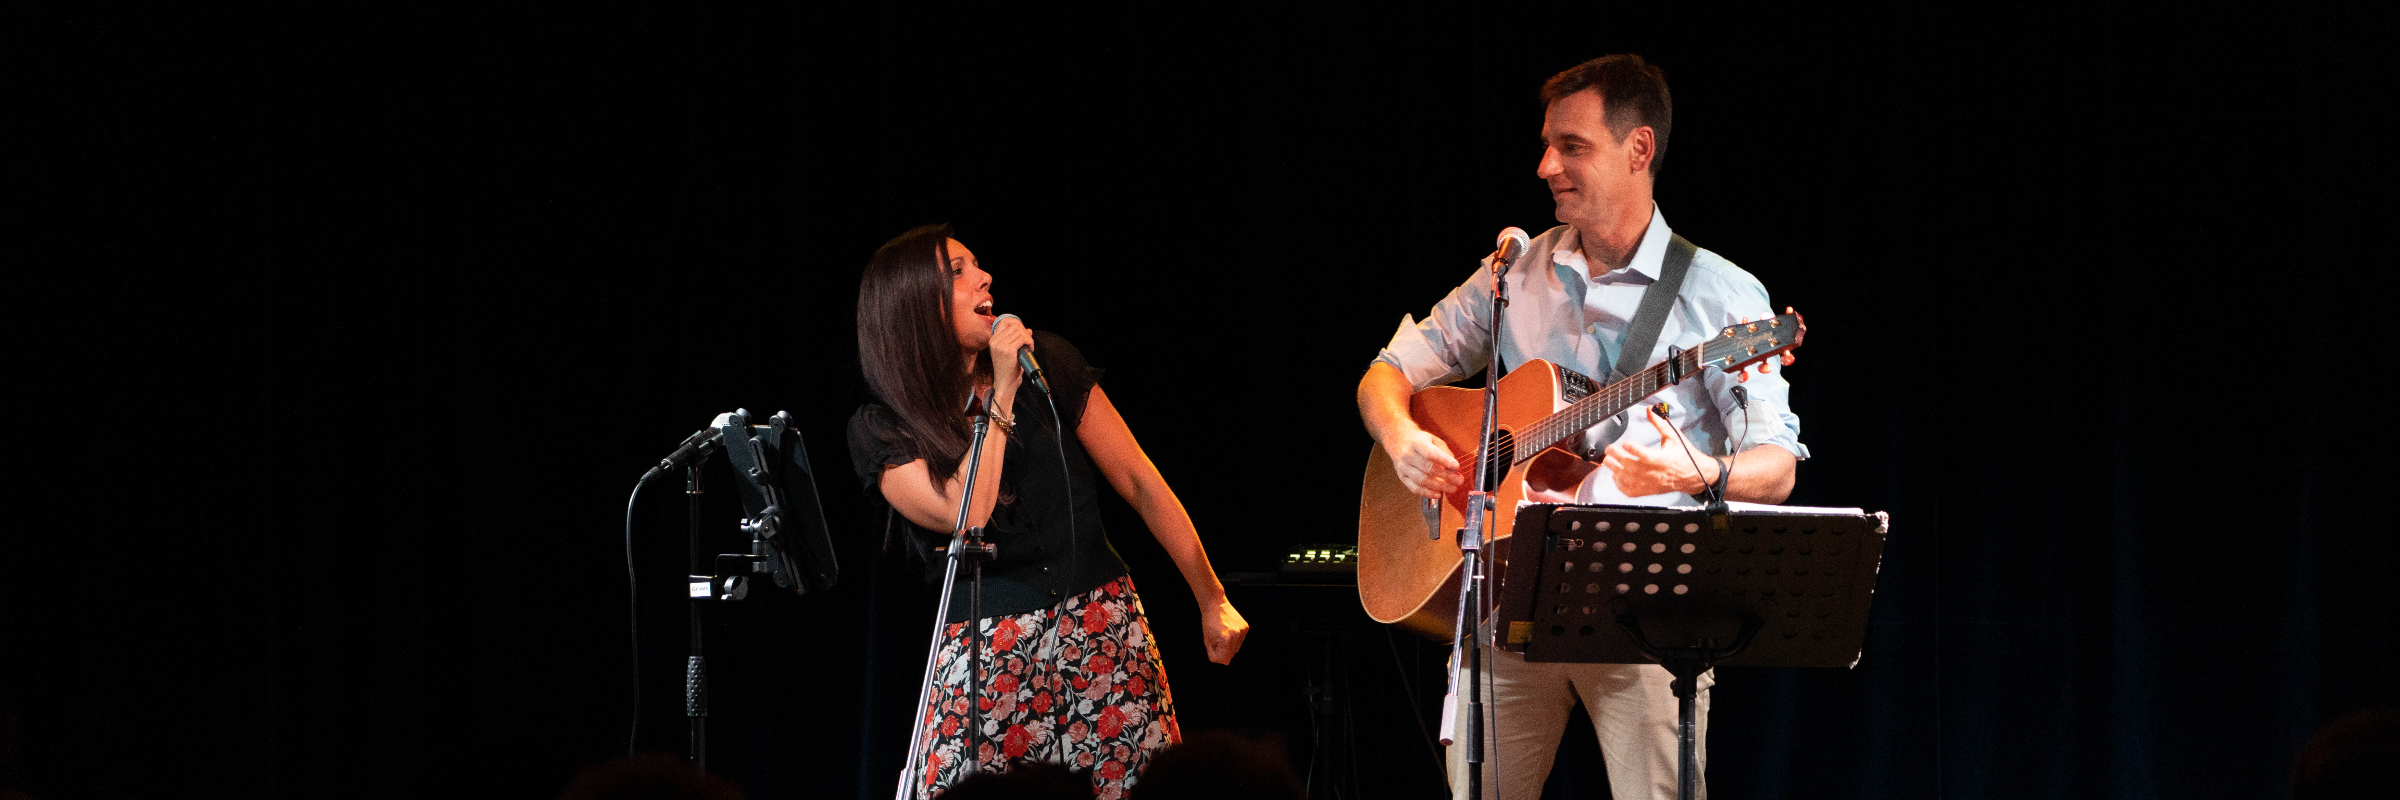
633	619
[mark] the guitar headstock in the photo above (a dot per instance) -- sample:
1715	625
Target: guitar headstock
1741	345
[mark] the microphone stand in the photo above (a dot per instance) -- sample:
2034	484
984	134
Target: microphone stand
966	544
1470	540
695	666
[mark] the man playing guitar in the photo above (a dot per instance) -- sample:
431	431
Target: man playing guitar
1573	297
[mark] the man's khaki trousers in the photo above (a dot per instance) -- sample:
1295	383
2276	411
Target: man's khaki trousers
1632	709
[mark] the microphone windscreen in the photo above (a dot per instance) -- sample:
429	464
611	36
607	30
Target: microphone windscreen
996	321
1513	243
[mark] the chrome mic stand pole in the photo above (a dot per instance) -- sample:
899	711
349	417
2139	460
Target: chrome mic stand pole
965	544
1470	540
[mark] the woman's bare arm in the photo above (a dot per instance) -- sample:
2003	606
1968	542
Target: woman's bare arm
1127	468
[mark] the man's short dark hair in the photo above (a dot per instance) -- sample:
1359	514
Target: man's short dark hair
1633	92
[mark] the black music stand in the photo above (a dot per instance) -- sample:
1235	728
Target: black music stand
1773	587
788	539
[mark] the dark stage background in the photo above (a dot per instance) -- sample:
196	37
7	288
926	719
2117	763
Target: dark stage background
337	341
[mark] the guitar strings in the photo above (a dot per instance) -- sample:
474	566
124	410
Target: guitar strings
1584	413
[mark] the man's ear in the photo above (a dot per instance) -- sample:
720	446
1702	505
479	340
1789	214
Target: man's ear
1641	145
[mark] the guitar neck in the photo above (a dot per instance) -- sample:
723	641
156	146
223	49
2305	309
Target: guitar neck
1608	401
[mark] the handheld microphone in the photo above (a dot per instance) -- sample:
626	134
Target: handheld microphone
696	446
1512	243
1033	369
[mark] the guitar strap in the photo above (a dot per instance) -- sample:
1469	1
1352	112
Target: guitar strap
1633	346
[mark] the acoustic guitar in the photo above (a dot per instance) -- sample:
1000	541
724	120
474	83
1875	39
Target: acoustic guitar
1408	556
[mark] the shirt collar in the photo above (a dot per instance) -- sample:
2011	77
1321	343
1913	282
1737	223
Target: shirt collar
1649	258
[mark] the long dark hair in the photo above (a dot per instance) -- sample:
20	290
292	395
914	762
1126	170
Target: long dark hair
908	349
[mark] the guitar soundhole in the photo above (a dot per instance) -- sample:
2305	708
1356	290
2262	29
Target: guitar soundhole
1501	456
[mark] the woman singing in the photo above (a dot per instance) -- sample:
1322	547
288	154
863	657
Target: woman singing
1070	674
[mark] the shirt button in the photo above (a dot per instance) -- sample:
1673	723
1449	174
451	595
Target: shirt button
1592	328
1045	569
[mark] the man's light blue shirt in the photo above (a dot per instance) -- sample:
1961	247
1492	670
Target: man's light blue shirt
1575	319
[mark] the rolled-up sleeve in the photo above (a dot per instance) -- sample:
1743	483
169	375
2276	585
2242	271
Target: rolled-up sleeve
1766	417
1453	341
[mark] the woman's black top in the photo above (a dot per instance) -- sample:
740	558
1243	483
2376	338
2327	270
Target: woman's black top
1041	560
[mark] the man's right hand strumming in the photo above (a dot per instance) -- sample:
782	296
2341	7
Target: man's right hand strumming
1423	462
1421	459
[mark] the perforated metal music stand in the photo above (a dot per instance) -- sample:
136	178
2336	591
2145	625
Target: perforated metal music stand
1766	586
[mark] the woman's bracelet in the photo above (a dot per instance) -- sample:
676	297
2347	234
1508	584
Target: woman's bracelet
1007	423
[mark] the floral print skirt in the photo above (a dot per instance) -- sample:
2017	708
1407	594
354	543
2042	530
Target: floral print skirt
1077	684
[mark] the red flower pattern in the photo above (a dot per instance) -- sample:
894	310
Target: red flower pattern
1004	635
1016	742
1118	715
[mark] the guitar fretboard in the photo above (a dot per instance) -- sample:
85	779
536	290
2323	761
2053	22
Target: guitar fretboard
1607	402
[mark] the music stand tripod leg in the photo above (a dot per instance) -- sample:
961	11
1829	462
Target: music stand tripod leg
1686	664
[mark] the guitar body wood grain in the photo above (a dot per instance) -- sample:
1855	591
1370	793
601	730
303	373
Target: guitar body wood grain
1407	576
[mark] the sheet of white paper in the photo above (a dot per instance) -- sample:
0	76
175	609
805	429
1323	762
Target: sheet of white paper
1736	505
